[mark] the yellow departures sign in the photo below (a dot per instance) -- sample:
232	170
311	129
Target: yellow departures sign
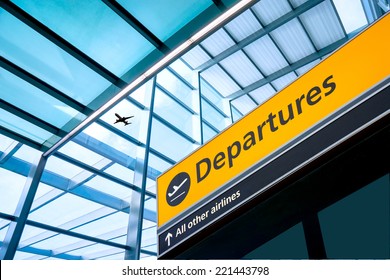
332	84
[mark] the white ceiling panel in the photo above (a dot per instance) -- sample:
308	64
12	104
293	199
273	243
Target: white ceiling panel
296	3
266	55
293	40
196	57
263	93
284	81
220	80
322	24
217	42
244	104
243	71
307	67
270	10
243	26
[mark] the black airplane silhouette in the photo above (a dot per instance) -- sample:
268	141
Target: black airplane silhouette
122	119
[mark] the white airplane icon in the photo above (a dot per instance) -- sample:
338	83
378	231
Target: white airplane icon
176	188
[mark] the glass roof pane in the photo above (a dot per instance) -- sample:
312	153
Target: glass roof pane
93	28
164	18
34	101
96	251
5	142
11	188
263	93
220	80
178	88
121	172
59	242
209	93
116	145
115	225
297	3
23	127
266	55
80	153
293	40
217	42
185	71
109	187
244	25
196	57
307	67
27	256
28	154
284	81
351	13
213	116
48	62
158	163
174	113
322	24
62	167
64	209
242	70
270	10
244	104
169	142
208	132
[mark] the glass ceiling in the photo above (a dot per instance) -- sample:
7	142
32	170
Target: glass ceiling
94	197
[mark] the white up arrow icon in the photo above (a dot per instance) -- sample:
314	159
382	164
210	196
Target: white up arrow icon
168	238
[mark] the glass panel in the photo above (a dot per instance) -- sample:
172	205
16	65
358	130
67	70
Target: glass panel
270	10
348	8
263	93
96	251
174	113
62	167
5	142
23	127
185	72
175	86
322	24
293	40
217	42
116	145
121	172
109	187
111	226
291	244
284	81
208	132
158	164
164	18
265	54
358	226
34	101
241	69
244	25
80	153
64	209
244	104
3	229
220	80
11	188
169	142
93	28
47	61
28	154
196	57
214	117
209	93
